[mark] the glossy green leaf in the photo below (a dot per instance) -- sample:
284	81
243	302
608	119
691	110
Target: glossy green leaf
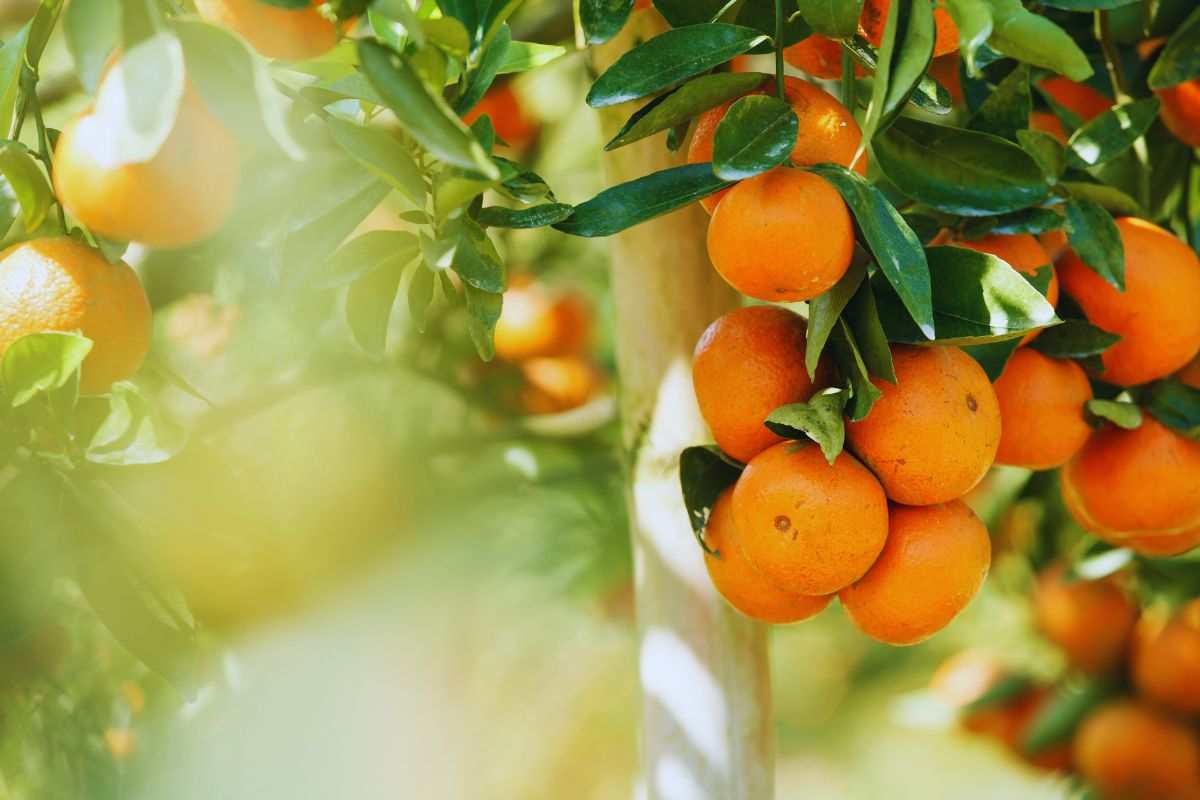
1035	40
366	253
603	19
690	12
40	362
1029	220
476	259
1180	59
757	134
1006	111
836	19
862	317
681	105
1111	133
1094	236
974	21
480	78
849	360
1118	412
668	59
929	96
825	309
369	302
448	35
704	473
12	61
993	356
1047	151
1074	338
524	56
894	245
1108	197
535	217
483	310
383	155
959	171
819	419
1175	405
27	181
627	204
904	56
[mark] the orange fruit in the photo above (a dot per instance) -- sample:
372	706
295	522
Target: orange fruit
1156	314
1128	751
536	322
932	565
828	131
1080	99
932	436
1166	661
1041	410
181	195
740	583
507	114
1181	111
1047	122
1190	374
1162	546
293	34
1090	621
1024	254
60	284
554	384
819	56
1143	482
1022	714
944	70
1054	243
783	236
748	363
874	18
808	526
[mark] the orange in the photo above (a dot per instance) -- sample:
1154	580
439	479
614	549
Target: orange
1047	122
944	70
874	18
1090	621
740	583
1128	751
1024	254
1041	410
292	34
61	285
748	363
1190	374
933	564
181	195
828	131
1080	99
1162	546
1054	243
508	116
819	56
931	437
536	322
783	236
1143	482
1156	314
1166	661
1181	111
554	384
808	526
1022	714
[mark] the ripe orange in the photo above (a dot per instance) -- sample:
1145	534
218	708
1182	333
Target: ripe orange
181	195
1166	661
1143	482
740	583
554	384
1166	546
1156	314
748	363
1041	410
783	236
507	114
819	56
931	437
61	285
1181	111
1047	122
1128	751
292	34
933	564
535	322
874	18
1078	98
809	527
1024	254
828	131
1054	243
1190	374
1090	621
944	70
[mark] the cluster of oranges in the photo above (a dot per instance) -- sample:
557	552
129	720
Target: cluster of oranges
1138	741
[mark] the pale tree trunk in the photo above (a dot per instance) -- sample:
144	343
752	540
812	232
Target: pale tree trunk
706	716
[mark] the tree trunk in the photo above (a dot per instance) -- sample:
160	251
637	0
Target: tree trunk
706	716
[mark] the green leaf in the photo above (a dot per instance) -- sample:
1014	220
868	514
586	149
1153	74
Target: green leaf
421	112
862	316
756	135
1048	152
448	35
627	204
1180	59
1029	220
1095	237
524	56
1057	721
369	302
929	96
12	61
1108	197
382	15
819	419
977	298
92	29
1175	405
475	258
27	181
483	310
1074	338
40	362
690	12
993	356
482	76
420	294
1111	133
1003	692
1088	5
681	105
382	154
959	171
134	432
825	309
668	59
535	217
465	11
367	253
849	360
704	473
904	56
894	245
601	20
1122	414
1035	40
837	19
1006	111
974	21
760	15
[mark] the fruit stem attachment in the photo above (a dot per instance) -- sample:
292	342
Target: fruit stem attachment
779	85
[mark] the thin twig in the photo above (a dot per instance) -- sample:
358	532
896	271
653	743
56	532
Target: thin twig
779	83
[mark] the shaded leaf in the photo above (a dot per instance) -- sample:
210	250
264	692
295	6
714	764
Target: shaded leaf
1095	237
825	309
1074	338
863	393
1006	111
1180	59
1175	405
1047	151
369	303
704	473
